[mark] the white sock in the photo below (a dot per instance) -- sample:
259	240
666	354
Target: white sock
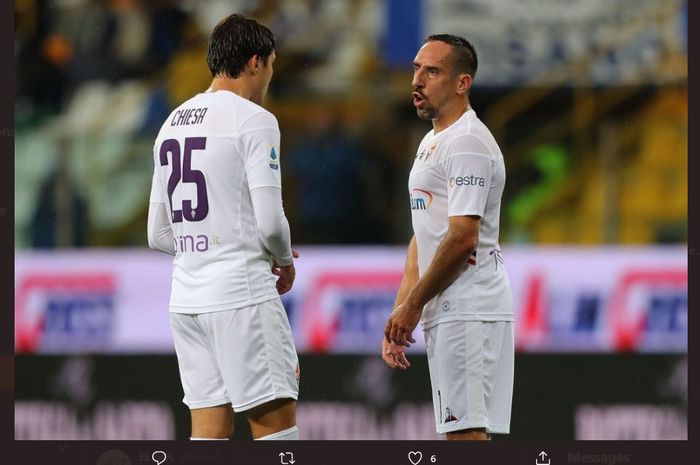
290	434
208	439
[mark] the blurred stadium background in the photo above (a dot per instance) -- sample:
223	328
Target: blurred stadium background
588	100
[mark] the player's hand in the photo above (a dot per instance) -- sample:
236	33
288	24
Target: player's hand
394	355
285	274
402	321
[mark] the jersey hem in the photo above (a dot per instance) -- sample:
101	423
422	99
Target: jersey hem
191	310
489	317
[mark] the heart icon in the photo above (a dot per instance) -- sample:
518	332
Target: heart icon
415	457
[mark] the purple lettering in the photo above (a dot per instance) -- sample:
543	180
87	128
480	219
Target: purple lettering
189	243
202	243
185	173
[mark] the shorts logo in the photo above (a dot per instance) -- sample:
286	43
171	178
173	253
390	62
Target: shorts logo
274	160
445	305
449	416
470	180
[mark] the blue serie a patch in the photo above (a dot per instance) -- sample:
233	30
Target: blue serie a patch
274	162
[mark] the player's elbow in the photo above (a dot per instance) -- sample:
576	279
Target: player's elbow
464	241
153	242
467	244
150	238
270	231
464	231
161	243
272	227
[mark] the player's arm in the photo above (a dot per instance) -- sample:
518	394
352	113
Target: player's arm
467	170
160	234
260	142
273	231
158	230
393	354
410	273
449	261
273	227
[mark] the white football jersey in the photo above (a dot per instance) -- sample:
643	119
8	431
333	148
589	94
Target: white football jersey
457	172
209	153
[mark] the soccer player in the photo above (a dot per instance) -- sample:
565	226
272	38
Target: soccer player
216	205
454	280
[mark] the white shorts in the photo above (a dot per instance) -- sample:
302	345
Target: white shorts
244	356
471	374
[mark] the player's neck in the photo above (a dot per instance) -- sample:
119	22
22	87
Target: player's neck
449	114
241	86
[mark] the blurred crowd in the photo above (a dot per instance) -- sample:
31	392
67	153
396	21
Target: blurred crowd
62	44
71	53
96	79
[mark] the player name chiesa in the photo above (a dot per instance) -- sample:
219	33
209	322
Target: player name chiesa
188	116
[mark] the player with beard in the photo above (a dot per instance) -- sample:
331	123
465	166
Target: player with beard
454	281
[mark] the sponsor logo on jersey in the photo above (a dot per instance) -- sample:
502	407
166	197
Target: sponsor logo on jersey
470	180
274	159
198	243
421	199
75	310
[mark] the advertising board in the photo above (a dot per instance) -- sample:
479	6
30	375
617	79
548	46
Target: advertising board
567	300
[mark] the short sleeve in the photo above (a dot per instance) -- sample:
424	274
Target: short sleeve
468	170
260	146
157	195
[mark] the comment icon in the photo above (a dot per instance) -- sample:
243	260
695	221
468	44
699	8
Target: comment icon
159	457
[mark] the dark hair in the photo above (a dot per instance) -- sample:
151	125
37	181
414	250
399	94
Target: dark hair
463	53
234	41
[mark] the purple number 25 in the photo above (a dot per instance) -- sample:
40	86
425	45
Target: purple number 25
185	173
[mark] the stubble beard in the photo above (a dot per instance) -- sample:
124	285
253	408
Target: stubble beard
427	113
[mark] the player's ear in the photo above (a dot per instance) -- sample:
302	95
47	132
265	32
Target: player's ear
254	63
464	84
